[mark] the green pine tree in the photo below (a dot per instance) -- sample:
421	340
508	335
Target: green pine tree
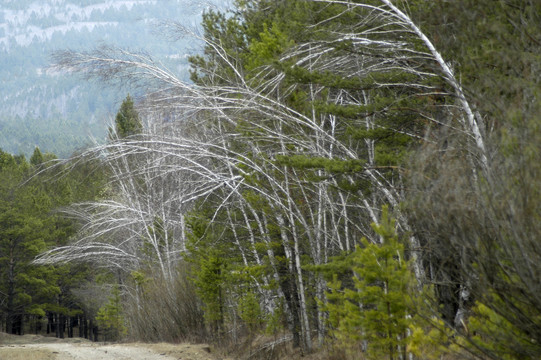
110	316
37	157
127	120
24	233
29	226
374	314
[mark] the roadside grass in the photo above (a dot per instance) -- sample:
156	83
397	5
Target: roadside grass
9	353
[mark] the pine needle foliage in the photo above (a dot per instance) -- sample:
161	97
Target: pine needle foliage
374	314
127	120
110	316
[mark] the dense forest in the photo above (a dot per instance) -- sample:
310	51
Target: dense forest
351	179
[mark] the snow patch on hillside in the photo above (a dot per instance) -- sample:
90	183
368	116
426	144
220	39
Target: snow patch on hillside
84	13
37	34
41	20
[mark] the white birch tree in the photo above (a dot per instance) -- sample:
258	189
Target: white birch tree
318	171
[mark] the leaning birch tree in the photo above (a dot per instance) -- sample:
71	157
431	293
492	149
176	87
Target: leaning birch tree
288	143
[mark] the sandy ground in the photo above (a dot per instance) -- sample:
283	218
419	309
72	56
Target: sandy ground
31	347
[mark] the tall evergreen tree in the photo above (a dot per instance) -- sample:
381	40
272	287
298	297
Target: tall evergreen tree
29	226
24	233
127	120
37	157
375	314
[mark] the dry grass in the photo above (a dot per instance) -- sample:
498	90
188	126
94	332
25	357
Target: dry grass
166	311
12	347
11	353
181	351
8	339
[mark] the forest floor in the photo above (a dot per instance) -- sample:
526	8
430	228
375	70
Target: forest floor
36	347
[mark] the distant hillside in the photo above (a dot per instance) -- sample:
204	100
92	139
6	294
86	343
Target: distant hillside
60	113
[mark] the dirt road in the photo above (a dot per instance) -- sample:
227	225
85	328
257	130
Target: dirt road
40	348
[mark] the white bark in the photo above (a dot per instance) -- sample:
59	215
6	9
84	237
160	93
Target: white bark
451	79
193	156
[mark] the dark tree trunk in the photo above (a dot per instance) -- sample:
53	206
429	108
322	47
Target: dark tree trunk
82	326
447	288
17	325
50	322
37	324
289	289
10	311
93	331
57	325
85	322
70	327
62	325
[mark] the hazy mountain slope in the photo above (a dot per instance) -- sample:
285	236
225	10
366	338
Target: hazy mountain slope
56	112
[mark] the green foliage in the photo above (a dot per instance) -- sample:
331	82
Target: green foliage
330	165
274	321
127	120
377	308
208	272
110	316
495	48
25	231
268	47
28	227
250	311
229	33
492	331
220	274
430	339
210	280
139	277
37	157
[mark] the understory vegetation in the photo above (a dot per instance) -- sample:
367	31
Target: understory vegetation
352	179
